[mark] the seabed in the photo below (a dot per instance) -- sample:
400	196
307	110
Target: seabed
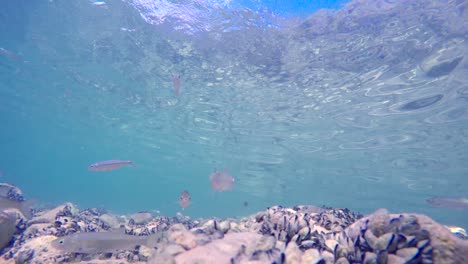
301	234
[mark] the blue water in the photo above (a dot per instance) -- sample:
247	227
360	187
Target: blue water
362	106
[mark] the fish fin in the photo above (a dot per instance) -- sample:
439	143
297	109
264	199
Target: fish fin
26	208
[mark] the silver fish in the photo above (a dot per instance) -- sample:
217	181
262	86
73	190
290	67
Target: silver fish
24	207
449	202
101	242
108	165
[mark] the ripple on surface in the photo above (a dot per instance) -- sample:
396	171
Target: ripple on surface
456	111
378	142
417	163
420	103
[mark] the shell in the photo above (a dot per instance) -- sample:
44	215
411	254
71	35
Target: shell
409	254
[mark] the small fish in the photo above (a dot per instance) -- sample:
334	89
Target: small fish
176	83
101	242
99	3
24	207
9	54
221	181
449	202
108	165
184	199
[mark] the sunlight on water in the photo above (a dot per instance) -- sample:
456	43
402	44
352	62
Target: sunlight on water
362	107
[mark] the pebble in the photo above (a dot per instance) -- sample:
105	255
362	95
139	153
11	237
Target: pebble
224	226
141	218
293	253
180	235
311	256
110	221
408	254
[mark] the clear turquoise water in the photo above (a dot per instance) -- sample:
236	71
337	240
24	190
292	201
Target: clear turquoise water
296	117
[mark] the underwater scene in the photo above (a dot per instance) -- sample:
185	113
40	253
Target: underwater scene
233	131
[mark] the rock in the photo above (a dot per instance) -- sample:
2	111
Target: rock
393	259
408	254
310	256
386	242
41	249
224	226
306	244
219	251
210	225
180	235
50	216
38	230
24	256
378	222
342	260
173	249
331	244
370	258
161	259
265	243
11	191
7	228
328	257
443	247
110	220
446	248
141	218
145	253
260	216
293	253
304	233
